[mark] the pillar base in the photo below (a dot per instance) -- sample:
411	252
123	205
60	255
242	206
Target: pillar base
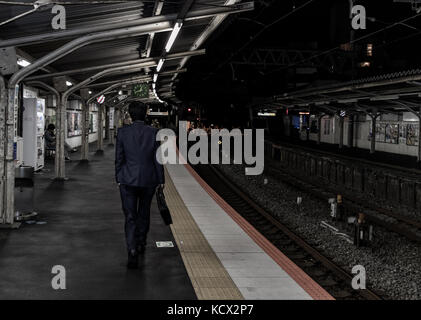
14	225
57	179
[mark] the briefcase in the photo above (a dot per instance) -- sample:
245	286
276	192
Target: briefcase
162	206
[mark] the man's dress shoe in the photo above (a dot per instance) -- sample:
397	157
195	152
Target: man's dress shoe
132	261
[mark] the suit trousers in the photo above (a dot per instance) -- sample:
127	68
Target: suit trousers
136	203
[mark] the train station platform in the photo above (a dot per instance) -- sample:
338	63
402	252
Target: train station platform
216	240
216	253
84	232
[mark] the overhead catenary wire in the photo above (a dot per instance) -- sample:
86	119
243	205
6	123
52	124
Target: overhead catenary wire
263	30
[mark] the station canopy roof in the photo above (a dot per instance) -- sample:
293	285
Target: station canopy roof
388	93
199	19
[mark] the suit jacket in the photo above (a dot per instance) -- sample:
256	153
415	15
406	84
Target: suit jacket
135	157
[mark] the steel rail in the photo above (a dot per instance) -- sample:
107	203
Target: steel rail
367	293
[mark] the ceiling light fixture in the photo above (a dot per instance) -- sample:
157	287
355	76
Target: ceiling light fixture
173	36
23	62
69	84
160	64
156	96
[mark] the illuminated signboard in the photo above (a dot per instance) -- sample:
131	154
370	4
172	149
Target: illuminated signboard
101	99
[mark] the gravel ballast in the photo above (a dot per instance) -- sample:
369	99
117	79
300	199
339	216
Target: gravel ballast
392	263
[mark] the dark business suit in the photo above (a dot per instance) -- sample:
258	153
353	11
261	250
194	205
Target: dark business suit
138	173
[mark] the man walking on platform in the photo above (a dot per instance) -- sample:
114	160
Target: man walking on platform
138	173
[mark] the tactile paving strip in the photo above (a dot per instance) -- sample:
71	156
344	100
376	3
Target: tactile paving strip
209	278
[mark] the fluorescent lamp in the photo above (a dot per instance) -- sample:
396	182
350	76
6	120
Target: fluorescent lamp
23	63
173	35
90	92
266	114
155	77
69	84
156	96
160	64
153	86
120	92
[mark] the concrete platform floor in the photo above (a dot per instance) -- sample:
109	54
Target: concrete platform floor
84	233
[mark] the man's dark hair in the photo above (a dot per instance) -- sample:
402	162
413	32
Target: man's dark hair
137	111
51	127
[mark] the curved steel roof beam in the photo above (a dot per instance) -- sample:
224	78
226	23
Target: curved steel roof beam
148	62
156	20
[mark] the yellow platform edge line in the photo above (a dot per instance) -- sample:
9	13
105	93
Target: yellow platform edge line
208	276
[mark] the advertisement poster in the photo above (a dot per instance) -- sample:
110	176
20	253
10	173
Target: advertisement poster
392	133
412	134
74	124
380	132
402	134
93	119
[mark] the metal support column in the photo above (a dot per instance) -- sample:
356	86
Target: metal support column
100	147
107	122
9	163
319	128
373	134
8	101
3	106
61	87
341	132
351	130
60	166
84	93
111	126
419	138
85	132
117	118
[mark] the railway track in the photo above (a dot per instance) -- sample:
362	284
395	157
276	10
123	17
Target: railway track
387	219
326	273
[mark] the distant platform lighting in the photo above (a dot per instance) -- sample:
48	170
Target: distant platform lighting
155	77
365	64
69	84
23	62
173	36
266	114
369	50
160	64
